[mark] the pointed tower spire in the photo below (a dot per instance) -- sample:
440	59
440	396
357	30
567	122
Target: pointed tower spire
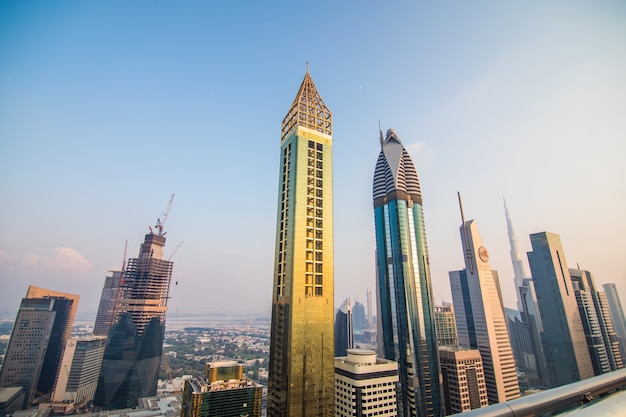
519	270
308	110
468	251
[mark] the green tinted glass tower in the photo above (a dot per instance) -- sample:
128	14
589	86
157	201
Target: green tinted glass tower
301	373
406	324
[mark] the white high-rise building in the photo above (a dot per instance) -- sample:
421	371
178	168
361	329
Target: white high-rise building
480	318
365	385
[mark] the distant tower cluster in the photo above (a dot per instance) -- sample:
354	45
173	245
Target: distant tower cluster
597	324
480	319
525	326
301	368
406	323
42	327
370	314
132	357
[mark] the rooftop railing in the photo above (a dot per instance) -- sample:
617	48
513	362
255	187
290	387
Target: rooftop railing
556	400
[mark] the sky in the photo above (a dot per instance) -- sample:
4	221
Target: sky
109	108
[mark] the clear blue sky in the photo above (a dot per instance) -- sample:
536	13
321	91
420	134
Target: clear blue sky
107	108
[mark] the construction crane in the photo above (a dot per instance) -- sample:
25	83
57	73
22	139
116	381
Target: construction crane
174	252
160	224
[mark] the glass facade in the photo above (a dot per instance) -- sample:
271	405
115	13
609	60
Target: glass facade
130	368
406	324
563	338
301	368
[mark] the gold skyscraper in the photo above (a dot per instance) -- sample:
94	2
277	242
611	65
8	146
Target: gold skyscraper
301	374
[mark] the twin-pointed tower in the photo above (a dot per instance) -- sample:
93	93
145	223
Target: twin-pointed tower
406	324
479	313
301	372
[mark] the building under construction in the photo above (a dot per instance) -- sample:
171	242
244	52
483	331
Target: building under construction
132	357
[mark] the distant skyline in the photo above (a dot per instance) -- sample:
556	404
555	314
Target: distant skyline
106	109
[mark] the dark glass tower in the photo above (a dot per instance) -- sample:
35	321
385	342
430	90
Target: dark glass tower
406	327
344	335
563	338
132	357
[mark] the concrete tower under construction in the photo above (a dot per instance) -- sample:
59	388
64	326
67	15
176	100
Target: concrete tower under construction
132	357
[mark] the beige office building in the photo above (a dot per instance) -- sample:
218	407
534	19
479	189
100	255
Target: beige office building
480	319
463	379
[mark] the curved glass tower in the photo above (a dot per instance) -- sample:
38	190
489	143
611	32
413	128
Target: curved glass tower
406	328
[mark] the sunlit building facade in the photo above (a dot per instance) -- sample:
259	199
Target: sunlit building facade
406	321
301	364
78	377
480	319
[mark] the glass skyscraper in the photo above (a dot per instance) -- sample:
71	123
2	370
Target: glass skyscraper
406	324
301	368
344	335
563	338
132	358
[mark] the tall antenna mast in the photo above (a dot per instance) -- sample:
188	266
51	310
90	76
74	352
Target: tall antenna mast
468	250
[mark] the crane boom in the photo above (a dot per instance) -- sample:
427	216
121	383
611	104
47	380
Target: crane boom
173	253
160	224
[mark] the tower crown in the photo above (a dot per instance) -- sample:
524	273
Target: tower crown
308	110
395	176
